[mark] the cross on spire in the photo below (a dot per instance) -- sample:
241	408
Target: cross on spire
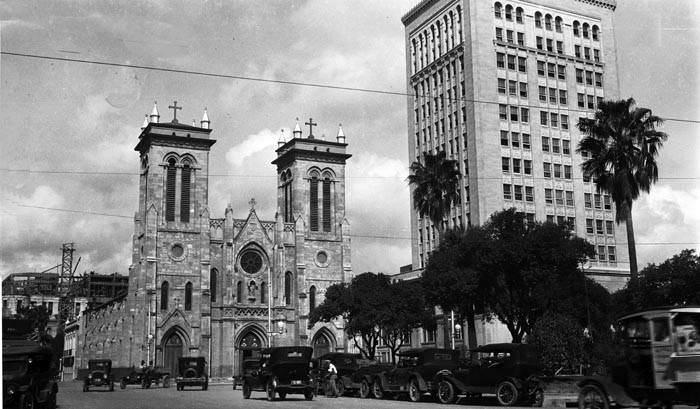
311	124
252	203
174	107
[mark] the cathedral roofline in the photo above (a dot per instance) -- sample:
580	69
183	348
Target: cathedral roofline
307	141
174	134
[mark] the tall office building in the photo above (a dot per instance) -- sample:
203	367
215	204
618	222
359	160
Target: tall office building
499	86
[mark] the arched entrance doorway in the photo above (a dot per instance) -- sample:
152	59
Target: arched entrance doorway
323	343
251	340
173	348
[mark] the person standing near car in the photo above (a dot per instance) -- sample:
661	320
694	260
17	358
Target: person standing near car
332	379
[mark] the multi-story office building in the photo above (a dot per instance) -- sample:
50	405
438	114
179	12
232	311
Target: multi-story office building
499	86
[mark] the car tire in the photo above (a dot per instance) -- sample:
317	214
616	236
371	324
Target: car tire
445	392
270	391
282	395
507	393
246	390
377	391
309	394
166	381
27	401
414	394
592	397
365	390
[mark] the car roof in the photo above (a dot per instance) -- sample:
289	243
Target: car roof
660	311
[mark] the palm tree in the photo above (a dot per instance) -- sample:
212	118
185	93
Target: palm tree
435	185
623	142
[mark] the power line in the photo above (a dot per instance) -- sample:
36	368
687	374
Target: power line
108	173
297	83
371	236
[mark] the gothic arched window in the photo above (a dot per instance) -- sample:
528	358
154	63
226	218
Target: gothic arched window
509	12
313	204
548	22
538	19
326	204
312	298
557	24
263	292
164	295
595	32
497	10
212	283
185	193
239	291
585	30
576	27
188	296
288	288
519	15
171	174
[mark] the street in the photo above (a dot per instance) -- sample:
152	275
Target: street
71	396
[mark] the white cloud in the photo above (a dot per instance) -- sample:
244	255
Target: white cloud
264	142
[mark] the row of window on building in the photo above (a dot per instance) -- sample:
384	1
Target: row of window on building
548	44
550	22
438	38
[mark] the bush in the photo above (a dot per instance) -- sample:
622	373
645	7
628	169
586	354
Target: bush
560	342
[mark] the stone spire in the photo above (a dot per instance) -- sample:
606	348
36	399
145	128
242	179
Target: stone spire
205	120
341	135
281	140
297	130
145	122
155	116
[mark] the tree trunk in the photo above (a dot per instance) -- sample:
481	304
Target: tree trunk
631	244
471	326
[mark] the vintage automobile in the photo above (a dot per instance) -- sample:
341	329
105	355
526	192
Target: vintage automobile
415	373
157	376
501	369
346	365
366	373
192	372
282	371
661	365
27	375
99	374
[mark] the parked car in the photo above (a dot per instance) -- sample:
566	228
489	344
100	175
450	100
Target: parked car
281	371
660	366
506	370
346	365
99	374
366	373
250	365
415	373
192	372
27	375
138	377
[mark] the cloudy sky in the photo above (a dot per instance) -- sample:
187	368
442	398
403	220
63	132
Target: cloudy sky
73	120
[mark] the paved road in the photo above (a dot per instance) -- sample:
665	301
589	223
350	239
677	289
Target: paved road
71	396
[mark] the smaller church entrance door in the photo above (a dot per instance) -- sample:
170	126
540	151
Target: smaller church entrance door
321	345
172	350
248	348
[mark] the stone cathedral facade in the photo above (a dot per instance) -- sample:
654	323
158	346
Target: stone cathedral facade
222	288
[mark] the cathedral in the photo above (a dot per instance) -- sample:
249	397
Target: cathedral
222	288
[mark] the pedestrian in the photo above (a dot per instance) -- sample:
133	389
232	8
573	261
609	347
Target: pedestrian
333	378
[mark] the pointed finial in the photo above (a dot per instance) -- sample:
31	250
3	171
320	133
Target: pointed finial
297	130
155	116
145	122
194	122
341	135
281	140
205	119
252	203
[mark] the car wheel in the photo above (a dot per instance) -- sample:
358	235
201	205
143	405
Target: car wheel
446	392
309	394
270	389
364	389
246	390
592	397
377	391
27	401
414	394
506	393
166	381
282	395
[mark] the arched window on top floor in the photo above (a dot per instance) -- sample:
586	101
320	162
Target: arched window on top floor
313	203
519	15
557	24
509	12
497	9
188	296
164	295
327	204
438	38
548	22
185	193
170	182
595	31
576	27
312	298
538	19
585	30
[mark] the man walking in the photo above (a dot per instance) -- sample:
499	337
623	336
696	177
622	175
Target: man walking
332	379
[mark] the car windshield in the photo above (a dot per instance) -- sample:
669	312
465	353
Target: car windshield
14	367
636	328
687	328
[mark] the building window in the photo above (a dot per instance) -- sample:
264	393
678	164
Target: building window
561	72
542	93
521	39
577	51
164	295
538	19
522	64
501	86
539	42
545	144
512	87
529	195
557	171
503	112
569	198
585	30
567	172
543	118
519	16
497	10
239	292
514	114
188	296
562	97
581	100
548	196
559	196
505	165
547	169
596	55
609	227
579	76
212	284
566	147
313	204
606	201
560	47
553	120
527	166
597	201
524	115
511	62
576	27
540	68
589	77
564	122
171	174
598	79
312	298
599	227
587	200
288	288
499	34
595	33
589	226
326	205
526	141
557	24
500	60
611	253
263	292
507	192
516	165
504	138
518	192
515	138
523	89
552	95
601	253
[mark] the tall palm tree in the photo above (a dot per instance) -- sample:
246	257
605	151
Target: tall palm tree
623	143
435	185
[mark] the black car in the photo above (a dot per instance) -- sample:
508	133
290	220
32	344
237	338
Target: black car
27	375
506	370
282	371
191	371
346	364
138	377
366	373
100	374
415	373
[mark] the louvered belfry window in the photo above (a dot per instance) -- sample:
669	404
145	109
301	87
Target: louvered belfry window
171	174
188	297
185	200
326	204
313	205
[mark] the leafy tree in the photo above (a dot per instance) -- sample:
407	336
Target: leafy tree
676	281
405	310
435	184
623	143
450	280
559	341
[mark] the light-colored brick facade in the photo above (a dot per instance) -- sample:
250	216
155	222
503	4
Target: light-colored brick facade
222	288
